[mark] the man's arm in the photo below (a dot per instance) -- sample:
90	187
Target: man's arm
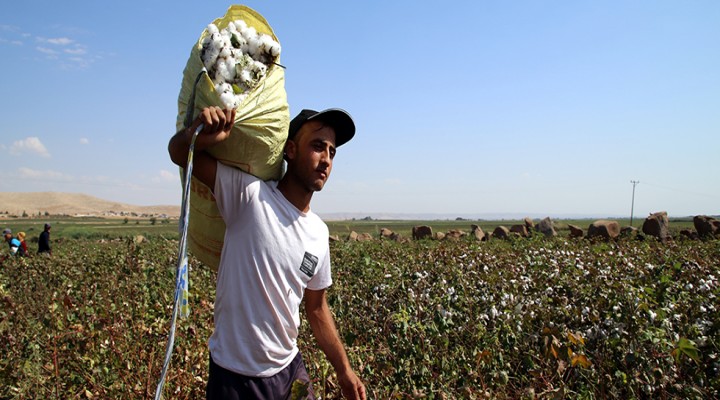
323	328
217	124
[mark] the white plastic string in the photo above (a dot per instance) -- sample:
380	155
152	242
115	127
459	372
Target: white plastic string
181	304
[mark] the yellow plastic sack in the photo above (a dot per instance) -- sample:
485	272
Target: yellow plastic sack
255	144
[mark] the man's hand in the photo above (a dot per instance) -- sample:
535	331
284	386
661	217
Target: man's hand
217	124
352	387
323	327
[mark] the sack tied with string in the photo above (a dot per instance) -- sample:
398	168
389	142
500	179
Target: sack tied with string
258	135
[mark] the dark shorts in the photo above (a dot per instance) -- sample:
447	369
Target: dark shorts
228	385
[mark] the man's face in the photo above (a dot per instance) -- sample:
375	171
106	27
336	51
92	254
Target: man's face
310	155
8	237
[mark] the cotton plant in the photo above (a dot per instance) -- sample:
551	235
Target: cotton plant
237	59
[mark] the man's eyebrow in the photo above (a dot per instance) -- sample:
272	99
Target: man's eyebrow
321	140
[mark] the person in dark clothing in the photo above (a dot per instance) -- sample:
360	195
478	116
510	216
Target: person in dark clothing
44	241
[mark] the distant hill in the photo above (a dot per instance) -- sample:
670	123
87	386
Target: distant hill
75	204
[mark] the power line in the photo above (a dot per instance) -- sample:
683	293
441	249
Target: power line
682	191
632	206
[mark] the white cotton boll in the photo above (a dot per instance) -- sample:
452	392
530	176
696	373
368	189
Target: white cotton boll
259	68
230	68
223	88
231	28
240	25
245	76
253	45
228	99
222	71
275	50
212	28
207	40
226	42
209	56
238	41
217	40
237	54
265	41
249	33
225	52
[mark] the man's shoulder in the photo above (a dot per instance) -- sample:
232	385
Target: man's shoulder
317	222
233	172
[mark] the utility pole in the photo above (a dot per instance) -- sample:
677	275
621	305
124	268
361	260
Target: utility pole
632	207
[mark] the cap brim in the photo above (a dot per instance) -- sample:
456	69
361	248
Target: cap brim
341	122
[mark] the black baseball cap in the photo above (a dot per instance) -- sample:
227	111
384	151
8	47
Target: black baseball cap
339	119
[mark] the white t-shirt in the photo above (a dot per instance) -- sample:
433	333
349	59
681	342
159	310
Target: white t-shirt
272	252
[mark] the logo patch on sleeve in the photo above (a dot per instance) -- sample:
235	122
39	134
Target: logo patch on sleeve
309	263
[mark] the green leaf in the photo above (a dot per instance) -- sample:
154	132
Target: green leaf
687	347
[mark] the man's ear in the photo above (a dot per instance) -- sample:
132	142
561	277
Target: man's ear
290	149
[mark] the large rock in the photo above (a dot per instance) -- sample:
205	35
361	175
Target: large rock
628	231
546	227
529	224
477	233
399	238
706	226
656	224
364	237
454	234
520	230
422	232
386	233
575	231
501	232
689	234
604	229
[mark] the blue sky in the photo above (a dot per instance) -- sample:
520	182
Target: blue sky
465	108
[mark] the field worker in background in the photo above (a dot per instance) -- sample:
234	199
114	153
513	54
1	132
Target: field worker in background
13	243
22	250
275	254
44	241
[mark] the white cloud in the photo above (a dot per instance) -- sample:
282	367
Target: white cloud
27	173
63	41
168	176
68	53
84	141
78	51
47	51
29	145
13	42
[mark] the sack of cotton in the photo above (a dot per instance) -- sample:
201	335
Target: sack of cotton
235	63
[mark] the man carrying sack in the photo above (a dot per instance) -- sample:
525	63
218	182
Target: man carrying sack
275	254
